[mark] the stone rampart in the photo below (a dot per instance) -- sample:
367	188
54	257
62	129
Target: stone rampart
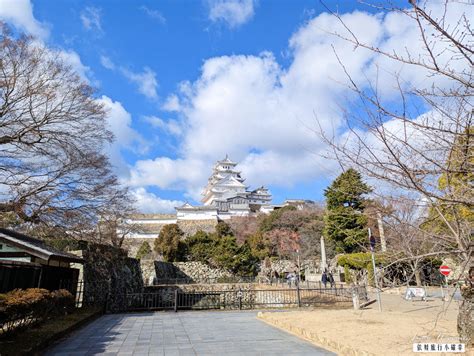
108	274
196	272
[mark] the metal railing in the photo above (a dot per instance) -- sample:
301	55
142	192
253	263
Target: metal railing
167	299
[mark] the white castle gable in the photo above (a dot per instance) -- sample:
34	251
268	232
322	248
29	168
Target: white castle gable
226	193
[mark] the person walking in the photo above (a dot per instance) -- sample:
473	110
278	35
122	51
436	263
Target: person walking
324	279
331	279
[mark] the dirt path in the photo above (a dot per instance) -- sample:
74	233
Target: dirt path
391	332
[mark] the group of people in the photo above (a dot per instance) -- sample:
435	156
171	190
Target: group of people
326	278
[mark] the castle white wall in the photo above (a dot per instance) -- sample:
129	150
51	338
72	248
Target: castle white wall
196	214
151	221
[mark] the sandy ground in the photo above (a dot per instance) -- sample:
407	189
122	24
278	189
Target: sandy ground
390	332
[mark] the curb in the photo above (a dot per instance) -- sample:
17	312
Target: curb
316	339
42	347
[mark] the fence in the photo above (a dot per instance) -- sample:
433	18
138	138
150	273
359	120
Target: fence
167	299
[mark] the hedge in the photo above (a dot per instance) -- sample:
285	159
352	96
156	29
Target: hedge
360	260
23	307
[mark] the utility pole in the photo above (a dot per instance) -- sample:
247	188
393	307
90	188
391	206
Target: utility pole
372	248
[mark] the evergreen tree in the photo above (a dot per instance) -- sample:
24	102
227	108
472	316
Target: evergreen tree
345	223
200	247
246	263
144	250
259	245
223	229
169	243
225	252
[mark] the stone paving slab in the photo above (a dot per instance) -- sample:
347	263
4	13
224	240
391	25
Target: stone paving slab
183	333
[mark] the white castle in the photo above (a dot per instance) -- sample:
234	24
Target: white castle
226	195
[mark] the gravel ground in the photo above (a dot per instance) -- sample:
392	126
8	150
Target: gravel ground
391	332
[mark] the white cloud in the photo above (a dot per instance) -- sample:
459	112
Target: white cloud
120	123
166	173
170	126
154	14
107	62
264	115
91	20
146	81
172	103
150	203
71	58
232	12
20	14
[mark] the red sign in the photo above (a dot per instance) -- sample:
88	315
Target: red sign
445	270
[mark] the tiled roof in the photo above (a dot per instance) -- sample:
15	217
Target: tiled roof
35	246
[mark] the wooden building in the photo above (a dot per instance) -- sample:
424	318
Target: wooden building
27	262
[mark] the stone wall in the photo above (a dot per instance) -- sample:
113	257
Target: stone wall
229	293
197	272
108	274
280	266
133	244
190	227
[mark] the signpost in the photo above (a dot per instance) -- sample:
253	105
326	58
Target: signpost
445	271
415	292
372	248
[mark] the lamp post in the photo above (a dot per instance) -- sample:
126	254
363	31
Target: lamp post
372	248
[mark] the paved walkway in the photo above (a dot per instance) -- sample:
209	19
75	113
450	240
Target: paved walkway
183	333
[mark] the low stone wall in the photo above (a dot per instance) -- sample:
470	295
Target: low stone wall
231	296
239	296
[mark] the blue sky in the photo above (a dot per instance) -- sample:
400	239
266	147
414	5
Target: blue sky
186	82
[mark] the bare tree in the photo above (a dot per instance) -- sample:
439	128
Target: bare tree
410	245
53	169
419	143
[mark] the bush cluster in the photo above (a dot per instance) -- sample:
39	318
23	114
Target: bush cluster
218	249
23	307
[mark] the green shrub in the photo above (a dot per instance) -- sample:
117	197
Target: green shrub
144	250
347	274
360	260
370	274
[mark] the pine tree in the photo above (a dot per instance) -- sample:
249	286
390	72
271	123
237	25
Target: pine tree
169	243
345	223
144	250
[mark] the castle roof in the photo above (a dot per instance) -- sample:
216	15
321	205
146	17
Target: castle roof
187	206
227	160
